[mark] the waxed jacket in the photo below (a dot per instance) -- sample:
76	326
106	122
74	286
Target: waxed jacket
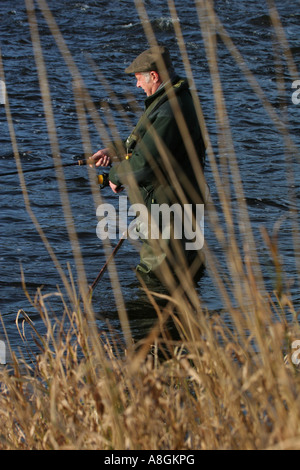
157	142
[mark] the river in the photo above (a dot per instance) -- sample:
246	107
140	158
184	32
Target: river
111	34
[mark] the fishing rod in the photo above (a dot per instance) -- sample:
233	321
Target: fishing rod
52	167
102	179
124	237
80	162
111	256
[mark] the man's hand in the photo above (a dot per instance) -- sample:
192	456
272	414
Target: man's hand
101	158
116	189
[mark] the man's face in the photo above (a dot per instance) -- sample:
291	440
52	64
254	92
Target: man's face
149	83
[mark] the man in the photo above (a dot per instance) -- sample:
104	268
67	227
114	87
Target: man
165	147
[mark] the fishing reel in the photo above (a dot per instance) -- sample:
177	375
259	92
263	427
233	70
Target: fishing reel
103	180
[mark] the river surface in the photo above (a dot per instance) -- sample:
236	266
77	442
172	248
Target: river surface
111	34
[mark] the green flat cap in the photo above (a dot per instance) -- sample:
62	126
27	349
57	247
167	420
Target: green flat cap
150	60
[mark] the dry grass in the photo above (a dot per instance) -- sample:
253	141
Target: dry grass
224	384
214	392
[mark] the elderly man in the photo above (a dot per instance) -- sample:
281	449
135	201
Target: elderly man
162	146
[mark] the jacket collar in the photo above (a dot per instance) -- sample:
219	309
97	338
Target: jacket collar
162	88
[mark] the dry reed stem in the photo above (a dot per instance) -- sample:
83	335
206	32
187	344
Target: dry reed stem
223	385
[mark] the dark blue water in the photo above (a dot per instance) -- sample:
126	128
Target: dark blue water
110	32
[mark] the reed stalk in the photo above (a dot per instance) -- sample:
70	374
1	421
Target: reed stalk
230	380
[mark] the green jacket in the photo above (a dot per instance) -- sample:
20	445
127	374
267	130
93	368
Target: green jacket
156	130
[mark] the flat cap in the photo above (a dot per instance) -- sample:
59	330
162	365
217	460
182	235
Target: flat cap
151	59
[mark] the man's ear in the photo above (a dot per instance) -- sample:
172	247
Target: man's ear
155	76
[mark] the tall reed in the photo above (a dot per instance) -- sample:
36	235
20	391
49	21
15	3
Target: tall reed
223	383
